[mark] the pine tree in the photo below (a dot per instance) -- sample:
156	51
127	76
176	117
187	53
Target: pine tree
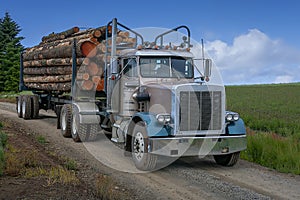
10	49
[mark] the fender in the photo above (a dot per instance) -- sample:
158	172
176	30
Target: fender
154	128
236	128
88	112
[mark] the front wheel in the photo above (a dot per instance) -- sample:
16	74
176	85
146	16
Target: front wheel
228	159
141	158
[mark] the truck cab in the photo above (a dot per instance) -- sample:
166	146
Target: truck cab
160	108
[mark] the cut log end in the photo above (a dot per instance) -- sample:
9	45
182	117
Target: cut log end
88	49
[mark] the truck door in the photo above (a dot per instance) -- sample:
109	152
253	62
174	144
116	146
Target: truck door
128	82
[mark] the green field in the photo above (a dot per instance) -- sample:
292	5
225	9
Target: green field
272	115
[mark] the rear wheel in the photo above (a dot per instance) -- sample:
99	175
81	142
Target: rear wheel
19	106
26	107
227	160
66	119
82	132
141	158
35	107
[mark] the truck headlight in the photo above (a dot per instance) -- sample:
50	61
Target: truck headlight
232	116
163	118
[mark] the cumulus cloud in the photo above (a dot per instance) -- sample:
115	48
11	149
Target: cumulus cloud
255	58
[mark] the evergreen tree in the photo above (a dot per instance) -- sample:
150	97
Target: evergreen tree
10	49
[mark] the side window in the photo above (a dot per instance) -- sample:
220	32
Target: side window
130	68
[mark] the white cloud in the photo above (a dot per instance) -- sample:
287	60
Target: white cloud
283	79
255	58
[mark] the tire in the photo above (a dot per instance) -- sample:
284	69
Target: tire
19	106
93	132
139	148
227	160
66	120
35	107
76	126
26	107
83	132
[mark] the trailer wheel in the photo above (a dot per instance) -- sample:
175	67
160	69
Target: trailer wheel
66	119
35	107
76	127
141	158
26	107
227	160
82	132
19	106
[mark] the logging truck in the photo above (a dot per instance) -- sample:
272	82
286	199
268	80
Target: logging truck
150	98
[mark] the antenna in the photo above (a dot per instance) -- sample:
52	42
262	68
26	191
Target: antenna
202	48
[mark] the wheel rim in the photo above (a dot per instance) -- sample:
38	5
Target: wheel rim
139	146
63	121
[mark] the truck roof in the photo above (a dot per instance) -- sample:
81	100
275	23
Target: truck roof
155	52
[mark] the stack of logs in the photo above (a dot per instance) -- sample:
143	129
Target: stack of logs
48	66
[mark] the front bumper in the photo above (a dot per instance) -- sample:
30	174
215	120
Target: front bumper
197	146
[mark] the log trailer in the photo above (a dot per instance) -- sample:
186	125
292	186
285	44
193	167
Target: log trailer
152	104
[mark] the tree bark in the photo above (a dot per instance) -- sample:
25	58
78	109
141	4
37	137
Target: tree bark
53	70
48	79
59	36
84	47
52	62
65	87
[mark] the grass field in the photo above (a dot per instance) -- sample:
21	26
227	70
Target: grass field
272	113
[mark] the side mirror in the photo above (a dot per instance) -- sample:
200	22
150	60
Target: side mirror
207	67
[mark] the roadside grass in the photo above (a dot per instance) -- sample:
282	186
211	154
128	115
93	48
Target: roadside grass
57	174
41	139
11	96
27	162
105	187
272	114
273	151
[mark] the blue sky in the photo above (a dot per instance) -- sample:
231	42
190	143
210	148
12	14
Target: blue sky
251	41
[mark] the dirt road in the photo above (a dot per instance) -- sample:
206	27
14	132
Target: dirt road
187	178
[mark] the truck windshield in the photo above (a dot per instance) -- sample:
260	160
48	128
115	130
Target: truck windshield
166	67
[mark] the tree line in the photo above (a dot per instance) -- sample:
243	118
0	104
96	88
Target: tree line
10	49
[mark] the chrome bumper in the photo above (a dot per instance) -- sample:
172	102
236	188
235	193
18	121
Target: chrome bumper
197	146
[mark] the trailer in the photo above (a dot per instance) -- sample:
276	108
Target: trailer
154	104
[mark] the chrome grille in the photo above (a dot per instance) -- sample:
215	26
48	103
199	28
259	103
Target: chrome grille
200	110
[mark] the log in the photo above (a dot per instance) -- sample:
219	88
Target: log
84	47
88	48
86	61
87	85
97	33
124	34
83	76
58	36
65	87
52	62
100	85
53	70
96	79
48	79
92	69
